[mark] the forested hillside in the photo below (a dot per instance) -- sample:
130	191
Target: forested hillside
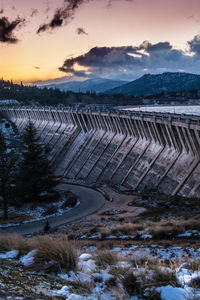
32	95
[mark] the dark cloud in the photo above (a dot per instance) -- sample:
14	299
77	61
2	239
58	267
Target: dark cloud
62	15
81	30
130	61
7	29
37	68
34	12
162	46
110	2
194	45
66	13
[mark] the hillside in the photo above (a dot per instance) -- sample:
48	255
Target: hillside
157	84
97	85
33	95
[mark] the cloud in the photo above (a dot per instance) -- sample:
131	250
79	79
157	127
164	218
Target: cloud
129	62
194	45
7	29
65	14
81	30
37	68
34	12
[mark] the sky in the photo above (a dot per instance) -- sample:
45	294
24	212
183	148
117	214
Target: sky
45	41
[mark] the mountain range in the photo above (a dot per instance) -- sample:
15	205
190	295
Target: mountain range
98	85
159	83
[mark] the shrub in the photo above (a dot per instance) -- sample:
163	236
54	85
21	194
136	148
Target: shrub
47	226
131	285
57	249
50	211
70	202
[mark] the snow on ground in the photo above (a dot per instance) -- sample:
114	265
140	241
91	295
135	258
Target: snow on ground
142	234
6	128
98	278
172	293
28	259
36	213
10	254
102	276
9	102
156	251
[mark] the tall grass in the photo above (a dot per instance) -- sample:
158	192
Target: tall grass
57	249
106	258
49	248
13	242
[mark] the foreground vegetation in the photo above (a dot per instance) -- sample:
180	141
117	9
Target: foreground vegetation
71	270
25	176
153	255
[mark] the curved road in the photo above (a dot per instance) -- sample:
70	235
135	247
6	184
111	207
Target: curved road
90	202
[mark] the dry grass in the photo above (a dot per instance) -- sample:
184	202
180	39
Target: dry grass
123	229
160	232
193	265
58	249
119	293
164	276
195	282
142	262
192	223
126	229
131	284
81	288
106	258
13	242
166	229
163	229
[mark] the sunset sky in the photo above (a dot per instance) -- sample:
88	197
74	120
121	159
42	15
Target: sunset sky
79	39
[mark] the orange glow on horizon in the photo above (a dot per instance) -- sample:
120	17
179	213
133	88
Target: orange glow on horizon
38	57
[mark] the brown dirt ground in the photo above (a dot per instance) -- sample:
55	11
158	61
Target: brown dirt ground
120	202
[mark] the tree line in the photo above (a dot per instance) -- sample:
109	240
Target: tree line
53	96
27	175
33	95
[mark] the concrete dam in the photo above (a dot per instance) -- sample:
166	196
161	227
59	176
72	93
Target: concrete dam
133	150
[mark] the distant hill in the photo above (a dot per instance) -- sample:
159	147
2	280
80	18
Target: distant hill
157	84
98	85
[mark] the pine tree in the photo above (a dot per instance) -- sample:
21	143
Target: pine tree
7	174
36	180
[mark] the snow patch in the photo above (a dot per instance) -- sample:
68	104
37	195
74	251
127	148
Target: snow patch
85	256
87	266
10	254
28	259
172	293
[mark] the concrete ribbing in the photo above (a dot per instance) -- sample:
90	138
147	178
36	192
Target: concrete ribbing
133	149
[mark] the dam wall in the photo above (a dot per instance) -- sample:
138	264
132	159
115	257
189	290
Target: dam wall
134	150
